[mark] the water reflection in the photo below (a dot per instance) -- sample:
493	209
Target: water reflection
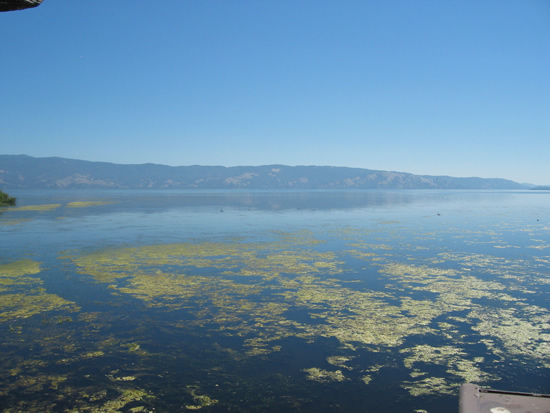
267	200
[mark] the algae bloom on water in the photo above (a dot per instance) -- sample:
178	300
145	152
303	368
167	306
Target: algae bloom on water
163	306
22	294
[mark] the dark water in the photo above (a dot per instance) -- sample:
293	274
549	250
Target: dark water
341	301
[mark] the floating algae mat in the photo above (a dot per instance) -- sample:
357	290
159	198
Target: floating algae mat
43	207
22	294
85	204
167	306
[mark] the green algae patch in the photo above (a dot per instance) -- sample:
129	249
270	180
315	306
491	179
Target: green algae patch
45	207
18	268
340	361
16	277
523	332
21	295
199	400
117	399
454	359
126	397
430	386
261	293
324	376
85	204
14	306
8	222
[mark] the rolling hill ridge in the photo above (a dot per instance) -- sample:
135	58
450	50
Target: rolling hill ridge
22	171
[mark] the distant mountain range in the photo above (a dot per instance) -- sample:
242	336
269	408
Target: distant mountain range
21	171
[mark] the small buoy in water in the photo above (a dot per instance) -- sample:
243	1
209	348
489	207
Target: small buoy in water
221	210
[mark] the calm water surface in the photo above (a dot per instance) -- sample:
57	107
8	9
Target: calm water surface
340	301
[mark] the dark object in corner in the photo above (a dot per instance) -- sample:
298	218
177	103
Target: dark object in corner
5	199
474	399
10	5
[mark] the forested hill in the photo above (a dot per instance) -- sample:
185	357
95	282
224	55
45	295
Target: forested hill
21	171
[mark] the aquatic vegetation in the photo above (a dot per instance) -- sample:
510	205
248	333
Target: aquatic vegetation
22	295
324	376
430	386
354	316
455	359
79	385
112	401
125	397
428	354
199	400
340	361
527	335
370	247
14	306
45	207
207	318
19	268
18	273
371	319
290	275
13	221
366	379
112	377
84	204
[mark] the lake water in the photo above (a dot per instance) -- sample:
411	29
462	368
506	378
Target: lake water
319	301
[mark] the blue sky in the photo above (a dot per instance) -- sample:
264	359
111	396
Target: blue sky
458	87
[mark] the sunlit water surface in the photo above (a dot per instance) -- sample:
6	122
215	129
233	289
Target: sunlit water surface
340	301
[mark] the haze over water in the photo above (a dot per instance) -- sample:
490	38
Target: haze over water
262	301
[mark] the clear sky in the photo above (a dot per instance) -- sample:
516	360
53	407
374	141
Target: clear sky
439	87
